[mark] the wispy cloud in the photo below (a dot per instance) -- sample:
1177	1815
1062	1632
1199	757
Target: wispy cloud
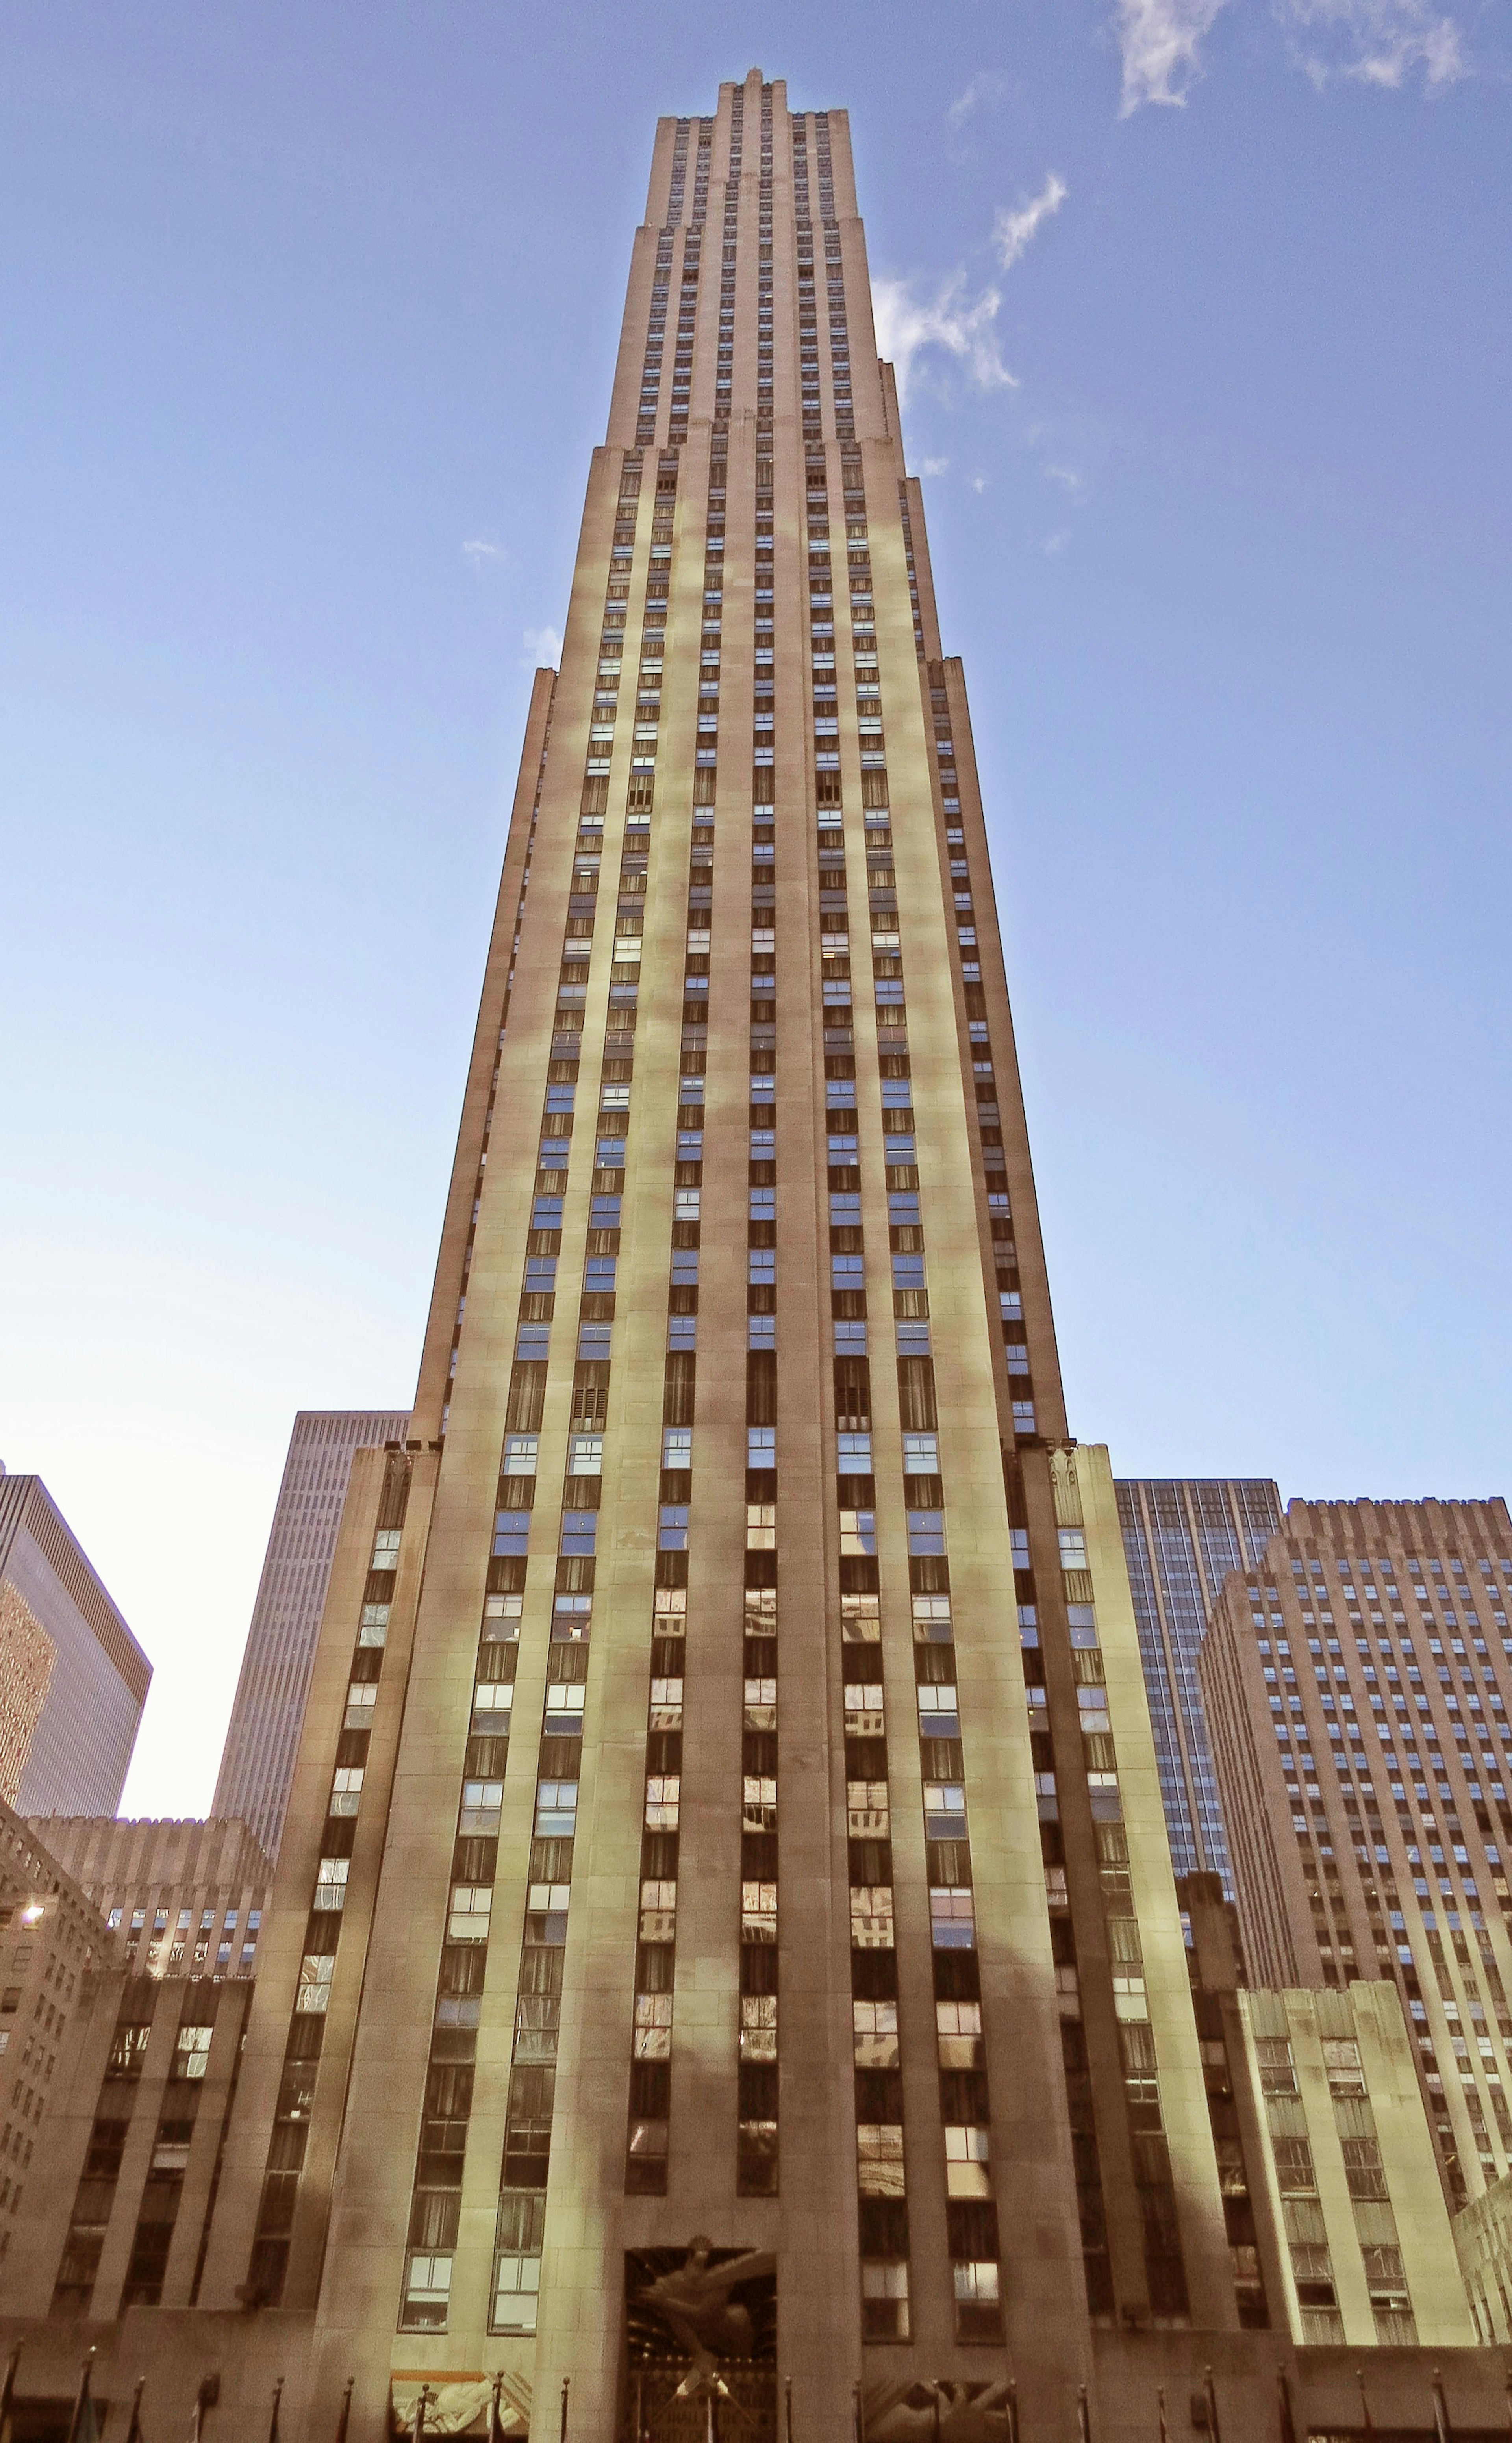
1057	542
479	552
982	87
979	483
933	466
1375	42
1012	231
1067	477
1159	41
907	327
542	648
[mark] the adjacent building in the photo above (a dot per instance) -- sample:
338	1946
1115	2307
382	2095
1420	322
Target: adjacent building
1181	1539
185	1897
263	1733
1331	2186
73	1679
1357	1686
51	1941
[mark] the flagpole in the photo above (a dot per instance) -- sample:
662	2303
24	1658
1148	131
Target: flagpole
1083	2414
1210	2392
566	2387
134	2430
273	2424
495	2421
1160	2413
1366	2421
1284	2404
344	2420
7	2394
1013	2410
76	2426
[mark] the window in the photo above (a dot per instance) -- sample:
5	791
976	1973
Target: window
191	2053
511	1533
671	1528
519	1452
926	1532
580	1532
853	1454
330	1883
373	1630
761	1446
585	1455
556	1811
386	1549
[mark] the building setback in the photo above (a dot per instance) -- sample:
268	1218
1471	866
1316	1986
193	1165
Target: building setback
724	1935
1181	1539
1356	1686
263	1733
186	1897
77	1710
717	1866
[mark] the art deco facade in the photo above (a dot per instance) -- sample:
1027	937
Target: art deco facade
263	1733
1358	1686
724	1933
185	1897
726	1802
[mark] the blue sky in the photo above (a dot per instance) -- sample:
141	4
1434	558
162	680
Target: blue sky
309	324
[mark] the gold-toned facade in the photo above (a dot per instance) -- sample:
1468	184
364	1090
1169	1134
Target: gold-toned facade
723	1964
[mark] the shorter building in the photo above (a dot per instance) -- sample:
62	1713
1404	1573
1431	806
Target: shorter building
186	1897
1181	1537
1482	2236
135	2129
73	1679
1357	1685
1331	2185
262	1737
51	1943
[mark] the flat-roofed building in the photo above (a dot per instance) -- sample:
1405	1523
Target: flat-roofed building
185	1895
1357	1685
74	1710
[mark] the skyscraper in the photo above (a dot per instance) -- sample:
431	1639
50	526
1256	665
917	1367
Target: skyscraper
1181	1537
724	1932
817	1899
263	1733
1358	1685
73	1679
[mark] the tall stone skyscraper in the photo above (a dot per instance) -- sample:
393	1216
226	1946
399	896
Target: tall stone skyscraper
262	1737
724	1919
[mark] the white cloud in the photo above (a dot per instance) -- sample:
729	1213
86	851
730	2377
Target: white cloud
979	483
480	553
1068	478
982	87
933	466
1159	40
1057	542
1375	42
1011	231
905	328
542	647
